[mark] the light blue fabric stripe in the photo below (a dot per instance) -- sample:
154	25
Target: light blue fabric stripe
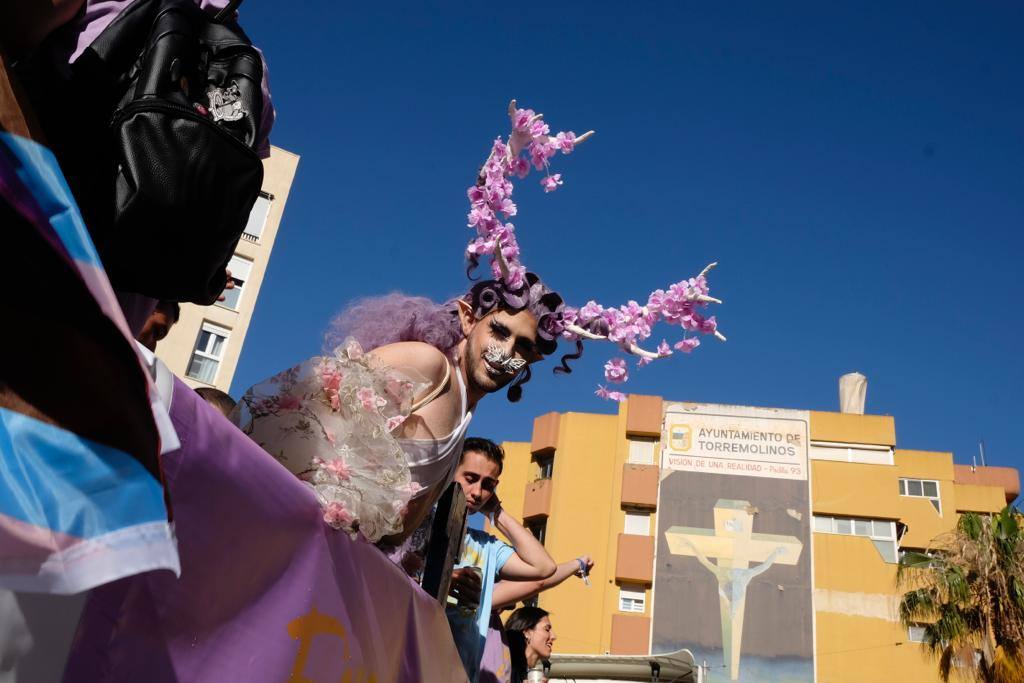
52	478
39	171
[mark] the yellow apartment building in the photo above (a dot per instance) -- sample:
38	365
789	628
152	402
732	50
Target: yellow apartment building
204	346
800	517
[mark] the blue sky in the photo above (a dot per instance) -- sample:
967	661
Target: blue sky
857	170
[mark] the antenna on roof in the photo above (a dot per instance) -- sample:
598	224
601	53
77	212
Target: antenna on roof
981	451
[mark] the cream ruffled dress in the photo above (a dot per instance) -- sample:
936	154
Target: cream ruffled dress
331	421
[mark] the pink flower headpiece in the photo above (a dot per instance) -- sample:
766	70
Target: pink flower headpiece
531	144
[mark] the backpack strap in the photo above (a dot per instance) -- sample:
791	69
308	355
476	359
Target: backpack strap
118	45
228	12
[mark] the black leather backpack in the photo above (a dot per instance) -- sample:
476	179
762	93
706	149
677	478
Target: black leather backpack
156	132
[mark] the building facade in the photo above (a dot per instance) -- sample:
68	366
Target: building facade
801	517
204	346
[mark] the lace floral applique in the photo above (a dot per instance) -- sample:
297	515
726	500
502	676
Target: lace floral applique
330	421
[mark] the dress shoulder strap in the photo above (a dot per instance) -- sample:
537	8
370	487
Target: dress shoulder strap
436	391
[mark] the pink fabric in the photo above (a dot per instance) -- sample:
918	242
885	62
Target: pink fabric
268	592
26	546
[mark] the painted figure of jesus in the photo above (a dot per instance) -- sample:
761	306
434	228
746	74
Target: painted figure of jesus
733	546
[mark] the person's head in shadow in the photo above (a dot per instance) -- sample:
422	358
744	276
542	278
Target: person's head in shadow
218	399
531	638
159	323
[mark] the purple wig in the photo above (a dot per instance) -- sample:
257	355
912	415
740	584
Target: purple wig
395	317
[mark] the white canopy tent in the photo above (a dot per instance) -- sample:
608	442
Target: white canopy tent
677	667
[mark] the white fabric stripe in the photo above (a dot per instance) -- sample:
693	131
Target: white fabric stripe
92	562
160	400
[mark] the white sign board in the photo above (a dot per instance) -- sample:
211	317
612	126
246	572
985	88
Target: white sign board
758	442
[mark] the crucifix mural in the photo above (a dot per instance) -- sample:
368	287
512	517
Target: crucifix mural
733	546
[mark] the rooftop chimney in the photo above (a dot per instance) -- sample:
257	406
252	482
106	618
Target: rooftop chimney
853	388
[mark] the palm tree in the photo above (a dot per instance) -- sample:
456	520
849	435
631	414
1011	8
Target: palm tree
968	594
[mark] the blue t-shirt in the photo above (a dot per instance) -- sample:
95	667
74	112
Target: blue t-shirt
479	549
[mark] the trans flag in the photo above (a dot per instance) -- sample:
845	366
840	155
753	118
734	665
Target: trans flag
81	424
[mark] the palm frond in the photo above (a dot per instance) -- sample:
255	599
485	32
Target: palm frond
1009	666
969	595
970	525
946	662
1017	591
916	606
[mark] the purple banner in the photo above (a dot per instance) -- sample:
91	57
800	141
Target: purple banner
268	591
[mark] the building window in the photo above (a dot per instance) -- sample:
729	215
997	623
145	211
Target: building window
882	532
916	633
863	453
539	529
631	598
546	466
638	523
641	451
208	353
922	488
240	269
257	217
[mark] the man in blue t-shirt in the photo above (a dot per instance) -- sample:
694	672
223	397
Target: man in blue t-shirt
526	559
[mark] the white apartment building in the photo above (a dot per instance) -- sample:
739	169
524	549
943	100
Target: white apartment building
203	348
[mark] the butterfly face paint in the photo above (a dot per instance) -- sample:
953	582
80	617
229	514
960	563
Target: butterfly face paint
496	357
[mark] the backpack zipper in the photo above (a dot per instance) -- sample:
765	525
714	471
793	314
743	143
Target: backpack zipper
162	105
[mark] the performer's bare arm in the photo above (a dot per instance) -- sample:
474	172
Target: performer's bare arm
435	420
440	416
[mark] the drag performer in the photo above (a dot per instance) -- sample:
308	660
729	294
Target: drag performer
376	427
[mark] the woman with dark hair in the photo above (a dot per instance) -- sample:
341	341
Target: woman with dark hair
530	641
